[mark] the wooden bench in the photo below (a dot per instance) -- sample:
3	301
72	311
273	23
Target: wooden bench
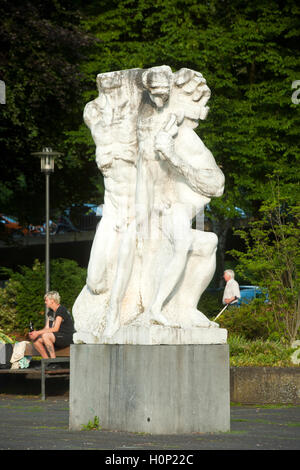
62	355
31	351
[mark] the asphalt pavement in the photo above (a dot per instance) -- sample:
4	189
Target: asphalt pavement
28	423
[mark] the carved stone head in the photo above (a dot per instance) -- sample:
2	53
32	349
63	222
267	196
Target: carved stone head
158	81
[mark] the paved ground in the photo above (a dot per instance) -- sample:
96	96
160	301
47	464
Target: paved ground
29	423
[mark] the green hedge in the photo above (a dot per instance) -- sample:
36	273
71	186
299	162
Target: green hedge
22	299
259	353
252	321
210	303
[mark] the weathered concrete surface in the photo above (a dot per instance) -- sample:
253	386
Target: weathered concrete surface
159	389
156	334
263	385
246	385
32	424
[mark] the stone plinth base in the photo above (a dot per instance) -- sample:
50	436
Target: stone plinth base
156	334
254	385
159	389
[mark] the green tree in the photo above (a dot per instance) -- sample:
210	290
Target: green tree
248	54
272	258
41	46
22	299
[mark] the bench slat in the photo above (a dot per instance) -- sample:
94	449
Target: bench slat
31	351
62	355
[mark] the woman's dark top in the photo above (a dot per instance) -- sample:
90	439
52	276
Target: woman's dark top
67	325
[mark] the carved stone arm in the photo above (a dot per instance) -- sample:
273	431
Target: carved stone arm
207	181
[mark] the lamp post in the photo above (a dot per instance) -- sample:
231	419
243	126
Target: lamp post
47	157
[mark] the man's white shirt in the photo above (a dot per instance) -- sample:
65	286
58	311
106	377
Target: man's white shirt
232	289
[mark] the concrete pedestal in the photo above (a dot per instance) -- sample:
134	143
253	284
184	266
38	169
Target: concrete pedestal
159	389
156	334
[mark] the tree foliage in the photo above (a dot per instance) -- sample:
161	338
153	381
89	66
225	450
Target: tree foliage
52	51
248	54
41	46
272	258
22	299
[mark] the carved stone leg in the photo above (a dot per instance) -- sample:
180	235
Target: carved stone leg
124	269
101	256
200	268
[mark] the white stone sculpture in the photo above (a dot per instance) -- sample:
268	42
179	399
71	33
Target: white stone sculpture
148	268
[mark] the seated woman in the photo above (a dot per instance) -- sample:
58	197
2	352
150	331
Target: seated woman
59	328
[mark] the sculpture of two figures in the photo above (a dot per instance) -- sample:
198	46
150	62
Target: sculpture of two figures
148	266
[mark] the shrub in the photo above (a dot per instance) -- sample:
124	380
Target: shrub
258	352
272	257
22	299
5	338
252	321
210	302
8	310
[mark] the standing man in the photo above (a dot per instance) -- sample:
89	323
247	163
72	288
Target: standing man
232	289
59	328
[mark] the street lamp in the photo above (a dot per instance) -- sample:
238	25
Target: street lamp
47	157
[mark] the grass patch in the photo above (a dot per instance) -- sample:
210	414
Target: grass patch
240	420
218	434
92	425
236	432
24	408
259	353
49	427
275	406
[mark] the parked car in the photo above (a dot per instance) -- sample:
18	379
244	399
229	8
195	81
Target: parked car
64	224
249	293
11	226
79	217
